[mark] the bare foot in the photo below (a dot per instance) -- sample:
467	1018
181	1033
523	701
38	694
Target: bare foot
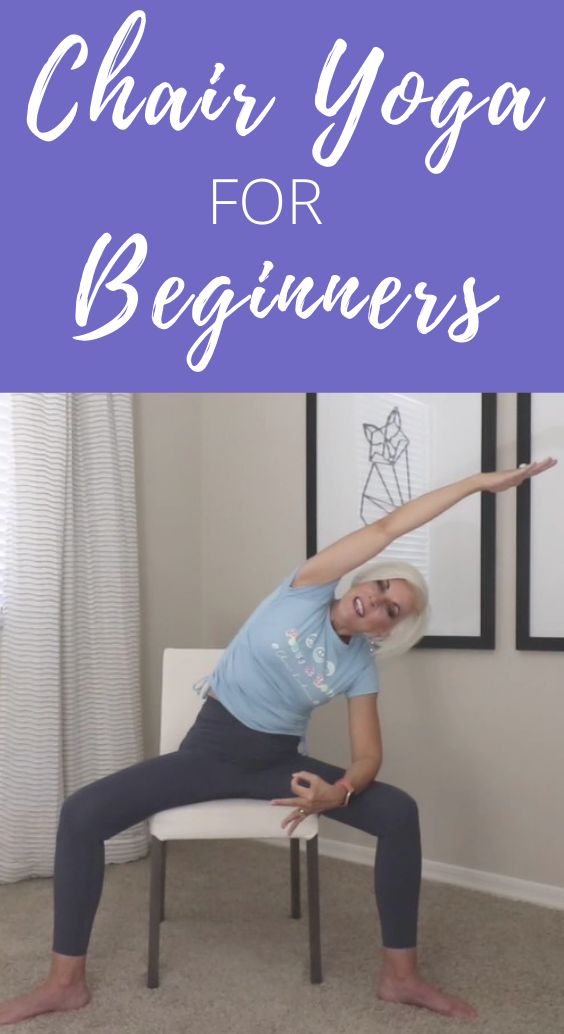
45	998
414	991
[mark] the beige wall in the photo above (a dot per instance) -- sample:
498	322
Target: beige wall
169	495
475	736
253	492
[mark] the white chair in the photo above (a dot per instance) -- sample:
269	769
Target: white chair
223	819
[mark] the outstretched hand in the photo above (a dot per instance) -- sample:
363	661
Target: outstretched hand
500	480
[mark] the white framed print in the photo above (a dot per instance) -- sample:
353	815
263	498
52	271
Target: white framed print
369	453
540	518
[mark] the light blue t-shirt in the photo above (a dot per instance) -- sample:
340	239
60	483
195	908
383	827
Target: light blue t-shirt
288	659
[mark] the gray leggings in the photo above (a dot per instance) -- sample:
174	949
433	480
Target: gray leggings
219	758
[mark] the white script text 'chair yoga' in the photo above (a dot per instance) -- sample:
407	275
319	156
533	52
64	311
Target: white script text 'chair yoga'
223	819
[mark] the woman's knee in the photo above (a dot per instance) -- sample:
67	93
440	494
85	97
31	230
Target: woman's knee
78	812
404	809
397	810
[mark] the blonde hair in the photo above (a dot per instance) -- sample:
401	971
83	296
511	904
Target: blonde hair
410	629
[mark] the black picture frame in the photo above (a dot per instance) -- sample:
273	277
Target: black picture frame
524	640
485	640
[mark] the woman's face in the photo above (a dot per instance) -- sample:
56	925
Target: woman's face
372	608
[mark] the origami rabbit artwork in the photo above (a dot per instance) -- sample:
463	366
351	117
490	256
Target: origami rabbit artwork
388	483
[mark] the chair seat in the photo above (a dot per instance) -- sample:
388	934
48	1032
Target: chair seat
230	819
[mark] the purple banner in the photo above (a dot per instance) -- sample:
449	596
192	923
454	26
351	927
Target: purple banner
254	197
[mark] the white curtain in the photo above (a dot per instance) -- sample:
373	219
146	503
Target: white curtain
70	707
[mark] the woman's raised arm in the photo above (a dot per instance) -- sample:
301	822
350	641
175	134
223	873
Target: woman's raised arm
363	545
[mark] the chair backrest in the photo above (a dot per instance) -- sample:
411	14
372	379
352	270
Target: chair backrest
179	703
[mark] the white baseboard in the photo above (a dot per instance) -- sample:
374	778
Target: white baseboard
473	879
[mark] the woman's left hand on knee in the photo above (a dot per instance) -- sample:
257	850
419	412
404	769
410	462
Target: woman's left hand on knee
312	795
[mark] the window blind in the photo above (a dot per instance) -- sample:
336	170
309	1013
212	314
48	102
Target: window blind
5	474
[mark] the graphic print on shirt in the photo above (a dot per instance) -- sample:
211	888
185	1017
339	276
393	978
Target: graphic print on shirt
306	664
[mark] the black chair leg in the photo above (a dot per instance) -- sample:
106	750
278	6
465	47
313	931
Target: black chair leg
313	909
155	907
163	878
295	907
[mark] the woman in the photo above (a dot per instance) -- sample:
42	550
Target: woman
300	647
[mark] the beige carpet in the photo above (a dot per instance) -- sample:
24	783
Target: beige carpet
232	962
